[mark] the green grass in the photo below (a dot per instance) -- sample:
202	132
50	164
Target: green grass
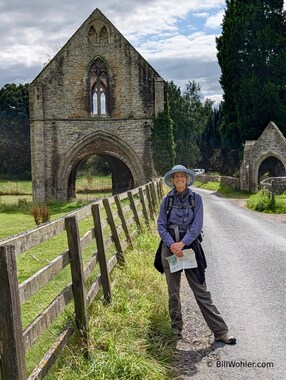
130	338
263	202
82	182
16	202
16	218
88	189
222	189
15	187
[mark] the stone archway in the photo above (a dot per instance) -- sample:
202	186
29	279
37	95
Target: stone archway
270	167
124	163
266	153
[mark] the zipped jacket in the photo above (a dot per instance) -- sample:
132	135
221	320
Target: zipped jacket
183	215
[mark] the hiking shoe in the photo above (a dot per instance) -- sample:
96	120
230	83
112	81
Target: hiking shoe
226	338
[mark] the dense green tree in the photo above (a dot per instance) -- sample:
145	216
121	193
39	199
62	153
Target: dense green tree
14	131
211	141
252	55
190	116
163	141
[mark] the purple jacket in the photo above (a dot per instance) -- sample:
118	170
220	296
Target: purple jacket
181	214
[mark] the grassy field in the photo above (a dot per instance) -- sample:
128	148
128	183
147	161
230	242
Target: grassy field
88	188
16	202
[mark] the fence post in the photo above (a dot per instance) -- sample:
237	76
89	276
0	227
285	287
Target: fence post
150	204
272	190
133	208
12	351
144	209
101	253
123	221
78	286
114	231
153	195
161	190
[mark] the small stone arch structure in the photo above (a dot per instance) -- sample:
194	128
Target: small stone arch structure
267	154
97	96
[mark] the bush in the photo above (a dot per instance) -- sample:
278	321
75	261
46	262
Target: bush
261	201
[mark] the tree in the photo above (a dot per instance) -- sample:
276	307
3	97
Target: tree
211	141
163	141
252	55
190	116
15	131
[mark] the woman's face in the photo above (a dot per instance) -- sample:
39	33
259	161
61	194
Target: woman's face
180	181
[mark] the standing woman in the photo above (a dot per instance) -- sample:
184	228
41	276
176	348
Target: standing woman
180	223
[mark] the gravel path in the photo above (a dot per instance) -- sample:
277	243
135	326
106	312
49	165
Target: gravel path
255	308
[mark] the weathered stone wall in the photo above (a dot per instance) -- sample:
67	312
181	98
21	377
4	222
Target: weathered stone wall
275	184
61	114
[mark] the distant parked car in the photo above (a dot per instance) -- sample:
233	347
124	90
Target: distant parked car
199	171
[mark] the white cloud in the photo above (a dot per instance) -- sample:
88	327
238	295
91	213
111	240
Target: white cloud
215	21
203	14
31	32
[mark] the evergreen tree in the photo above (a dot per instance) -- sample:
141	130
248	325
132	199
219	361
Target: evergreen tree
211	141
163	141
190	116
252	55
15	131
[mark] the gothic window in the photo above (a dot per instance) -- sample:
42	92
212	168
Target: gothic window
99	99
99	85
91	34
103	36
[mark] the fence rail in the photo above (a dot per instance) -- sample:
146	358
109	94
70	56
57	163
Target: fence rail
112	224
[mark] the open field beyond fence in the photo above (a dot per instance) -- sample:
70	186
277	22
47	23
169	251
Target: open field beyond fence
50	275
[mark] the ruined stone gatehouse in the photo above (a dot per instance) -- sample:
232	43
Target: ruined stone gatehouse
97	96
263	157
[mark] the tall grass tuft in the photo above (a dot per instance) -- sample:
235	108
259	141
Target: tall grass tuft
41	214
131	337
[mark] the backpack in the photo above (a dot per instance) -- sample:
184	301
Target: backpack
170	201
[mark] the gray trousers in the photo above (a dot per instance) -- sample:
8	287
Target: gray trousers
203	297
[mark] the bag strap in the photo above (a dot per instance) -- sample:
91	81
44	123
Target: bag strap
170	202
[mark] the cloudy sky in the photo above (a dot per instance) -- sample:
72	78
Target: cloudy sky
176	37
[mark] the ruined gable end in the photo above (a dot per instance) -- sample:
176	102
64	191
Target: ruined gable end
97	96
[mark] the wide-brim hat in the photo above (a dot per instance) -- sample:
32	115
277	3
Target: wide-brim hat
191	175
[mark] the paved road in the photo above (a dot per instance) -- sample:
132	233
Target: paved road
246	275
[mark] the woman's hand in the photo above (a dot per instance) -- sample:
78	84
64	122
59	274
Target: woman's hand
176	248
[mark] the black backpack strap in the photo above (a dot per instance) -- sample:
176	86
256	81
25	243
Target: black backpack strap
192	201
170	202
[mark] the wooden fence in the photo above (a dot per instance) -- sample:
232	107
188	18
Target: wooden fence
114	222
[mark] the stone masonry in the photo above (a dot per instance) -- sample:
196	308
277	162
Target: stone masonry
97	96
271	144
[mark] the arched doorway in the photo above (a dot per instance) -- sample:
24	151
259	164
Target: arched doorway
125	165
121	176
271	167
